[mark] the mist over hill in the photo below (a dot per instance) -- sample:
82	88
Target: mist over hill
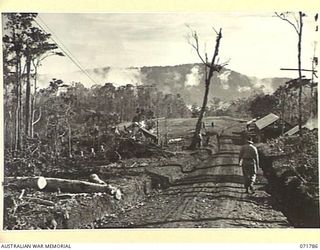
186	79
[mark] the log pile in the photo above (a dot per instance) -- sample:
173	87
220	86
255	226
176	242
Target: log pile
33	208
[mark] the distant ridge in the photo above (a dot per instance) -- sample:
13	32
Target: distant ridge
185	79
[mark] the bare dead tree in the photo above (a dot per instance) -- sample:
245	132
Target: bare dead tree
209	69
297	24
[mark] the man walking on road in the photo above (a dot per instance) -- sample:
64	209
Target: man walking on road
249	161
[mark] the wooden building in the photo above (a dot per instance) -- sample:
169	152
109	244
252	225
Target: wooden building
267	127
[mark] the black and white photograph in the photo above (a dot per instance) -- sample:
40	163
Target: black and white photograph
160	120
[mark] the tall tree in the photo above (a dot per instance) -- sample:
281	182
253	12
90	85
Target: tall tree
297	24
210	68
15	25
38	47
26	45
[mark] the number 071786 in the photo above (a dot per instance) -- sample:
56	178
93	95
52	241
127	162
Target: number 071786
310	246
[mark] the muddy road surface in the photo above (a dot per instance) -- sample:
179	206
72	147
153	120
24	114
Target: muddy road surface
208	195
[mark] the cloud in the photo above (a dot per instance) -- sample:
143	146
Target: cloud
224	78
154	39
243	89
116	75
264	84
193	78
122	76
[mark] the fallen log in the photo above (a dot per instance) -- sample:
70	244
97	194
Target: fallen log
64	185
41	201
24	182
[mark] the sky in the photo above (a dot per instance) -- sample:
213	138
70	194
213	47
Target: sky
257	44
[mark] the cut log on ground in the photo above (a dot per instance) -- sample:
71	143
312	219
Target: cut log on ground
64	185
95	179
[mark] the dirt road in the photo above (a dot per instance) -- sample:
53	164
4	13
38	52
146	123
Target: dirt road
209	195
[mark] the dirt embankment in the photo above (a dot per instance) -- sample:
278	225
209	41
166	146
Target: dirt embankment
294	197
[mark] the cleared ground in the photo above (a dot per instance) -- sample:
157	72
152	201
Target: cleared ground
183	127
204	191
201	188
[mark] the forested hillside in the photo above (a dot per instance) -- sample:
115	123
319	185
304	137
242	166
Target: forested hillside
186	79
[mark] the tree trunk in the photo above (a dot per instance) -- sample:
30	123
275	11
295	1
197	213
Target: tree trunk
69	139
32	118
17	110
212	68
311	101
33	101
300	74
199	122
6	117
33	106
17	141
283	111
20	123
312	82
28	113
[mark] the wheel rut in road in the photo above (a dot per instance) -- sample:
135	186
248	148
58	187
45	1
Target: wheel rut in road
210	195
